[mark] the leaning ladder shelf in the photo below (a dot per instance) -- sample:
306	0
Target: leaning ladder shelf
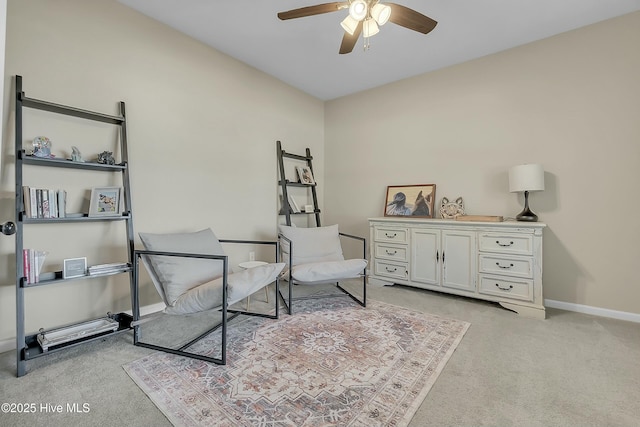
286	209
28	347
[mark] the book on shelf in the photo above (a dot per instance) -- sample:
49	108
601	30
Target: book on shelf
44	203
32	262
293	205
107	268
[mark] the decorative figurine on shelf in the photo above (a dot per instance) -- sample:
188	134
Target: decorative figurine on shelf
450	210
42	147
75	155
106	158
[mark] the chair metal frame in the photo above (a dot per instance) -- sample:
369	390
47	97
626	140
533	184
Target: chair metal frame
222	360
288	301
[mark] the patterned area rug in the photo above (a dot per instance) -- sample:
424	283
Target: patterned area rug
331	363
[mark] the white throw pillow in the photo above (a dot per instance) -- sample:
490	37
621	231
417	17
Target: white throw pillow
318	272
208	296
177	274
316	244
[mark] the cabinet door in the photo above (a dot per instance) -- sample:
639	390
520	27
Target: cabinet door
459	261
425	256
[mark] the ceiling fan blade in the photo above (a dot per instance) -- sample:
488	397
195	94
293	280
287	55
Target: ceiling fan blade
410	19
313	10
349	41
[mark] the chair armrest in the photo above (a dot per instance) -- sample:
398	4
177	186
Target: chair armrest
362	239
139	252
251	242
273	243
280	238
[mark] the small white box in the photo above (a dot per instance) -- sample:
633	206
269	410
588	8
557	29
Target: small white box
308	208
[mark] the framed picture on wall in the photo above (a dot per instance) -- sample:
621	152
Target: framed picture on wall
305	175
410	200
105	201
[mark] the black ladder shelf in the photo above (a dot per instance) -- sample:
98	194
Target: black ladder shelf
286	209
28	347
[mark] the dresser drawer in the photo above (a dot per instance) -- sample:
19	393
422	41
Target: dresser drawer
505	265
516	244
391	252
388	269
507	287
390	234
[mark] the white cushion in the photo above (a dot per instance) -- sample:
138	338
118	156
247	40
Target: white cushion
318	272
316	244
208	296
177	275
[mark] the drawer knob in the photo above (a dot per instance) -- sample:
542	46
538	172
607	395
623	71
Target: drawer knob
504	244
391	236
391	270
504	266
504	289
391	252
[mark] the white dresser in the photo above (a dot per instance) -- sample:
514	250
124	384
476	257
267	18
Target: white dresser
494	261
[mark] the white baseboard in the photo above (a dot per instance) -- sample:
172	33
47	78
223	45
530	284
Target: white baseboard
595	311
10	344
7	345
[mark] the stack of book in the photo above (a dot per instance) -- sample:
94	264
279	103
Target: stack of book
44	203
32	261
115	267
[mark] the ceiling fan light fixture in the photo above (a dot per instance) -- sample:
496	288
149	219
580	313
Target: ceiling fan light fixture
358	9
370	28
381	13
349	24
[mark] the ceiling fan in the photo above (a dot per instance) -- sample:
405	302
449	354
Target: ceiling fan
364	18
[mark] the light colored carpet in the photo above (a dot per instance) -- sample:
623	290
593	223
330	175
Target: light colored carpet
331	363
570	370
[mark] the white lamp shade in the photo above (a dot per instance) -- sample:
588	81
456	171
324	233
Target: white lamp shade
349	24
358	10
369	28
381	13
526	178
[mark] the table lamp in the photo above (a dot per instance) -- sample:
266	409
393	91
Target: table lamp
526	178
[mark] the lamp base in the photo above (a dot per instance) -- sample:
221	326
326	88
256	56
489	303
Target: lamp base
526	214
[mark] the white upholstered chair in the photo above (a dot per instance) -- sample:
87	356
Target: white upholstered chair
191	274
315	256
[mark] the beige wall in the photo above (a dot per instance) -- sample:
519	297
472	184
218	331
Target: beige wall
570	102
202	129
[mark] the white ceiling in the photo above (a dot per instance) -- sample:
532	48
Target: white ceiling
303	52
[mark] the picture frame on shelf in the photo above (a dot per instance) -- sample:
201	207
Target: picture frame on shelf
105	201
410	200
305	175
74	267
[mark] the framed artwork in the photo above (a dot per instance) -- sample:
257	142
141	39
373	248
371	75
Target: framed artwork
74	267
305	175
105	201
410	200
